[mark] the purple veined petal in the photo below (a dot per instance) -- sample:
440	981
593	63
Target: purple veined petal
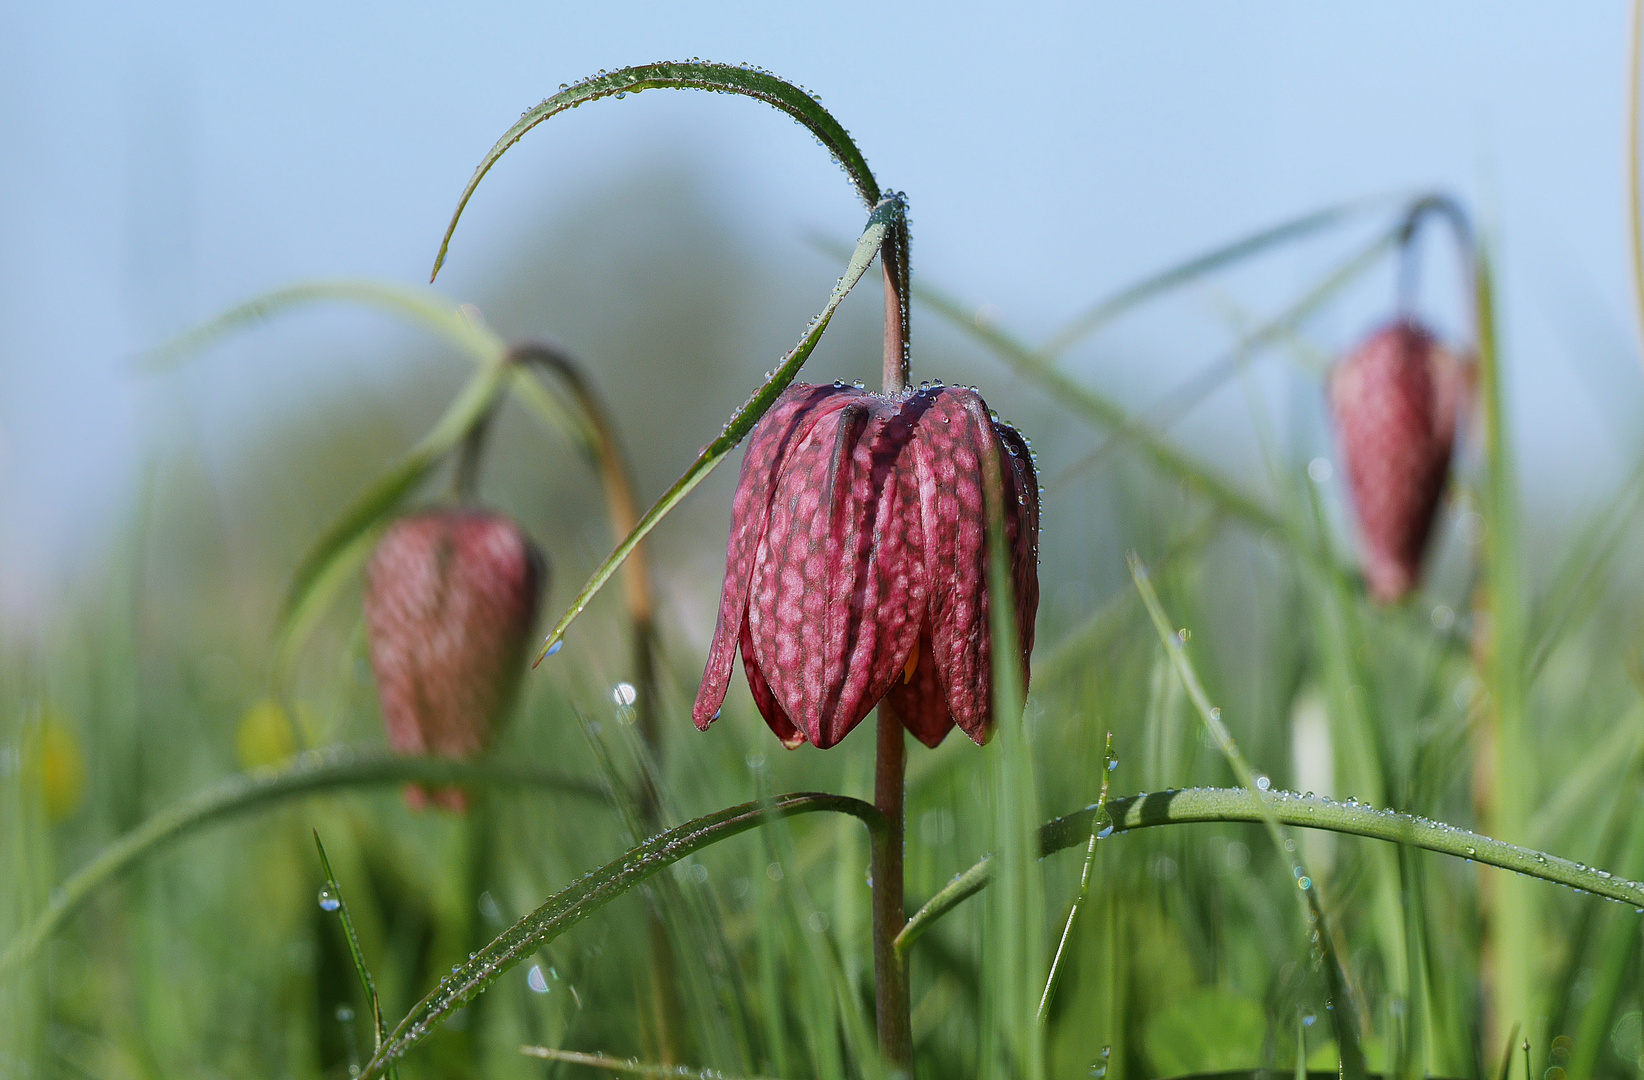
949	474
777	720
1022	534
771	441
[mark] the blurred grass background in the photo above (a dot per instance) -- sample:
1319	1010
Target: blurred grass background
150	679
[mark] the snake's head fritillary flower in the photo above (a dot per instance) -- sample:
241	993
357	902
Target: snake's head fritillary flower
1397	401
857	564
450	600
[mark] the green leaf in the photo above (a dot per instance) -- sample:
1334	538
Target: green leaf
719	78
581	899
884	216
316	772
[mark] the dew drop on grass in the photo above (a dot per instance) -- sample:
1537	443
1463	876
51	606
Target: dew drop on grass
624	694
1104	832
329	900
556	647
1263	783
1309	1019
536	980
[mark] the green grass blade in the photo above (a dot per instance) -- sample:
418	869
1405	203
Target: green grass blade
628	1067
1109	308
353	940
336	770
420	306
1201	805
1014	959
576	902
1100	829
742	421
718	78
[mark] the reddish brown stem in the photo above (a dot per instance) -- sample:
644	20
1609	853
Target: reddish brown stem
890	977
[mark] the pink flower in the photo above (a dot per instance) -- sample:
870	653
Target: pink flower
1397	401
450	600
857	564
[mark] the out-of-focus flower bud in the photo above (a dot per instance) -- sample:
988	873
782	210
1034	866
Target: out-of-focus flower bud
1397	401
450	600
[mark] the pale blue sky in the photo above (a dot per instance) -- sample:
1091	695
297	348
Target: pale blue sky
158	163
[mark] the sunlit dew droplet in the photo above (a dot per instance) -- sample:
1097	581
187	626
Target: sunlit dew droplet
1304	883
1112	763
329	901
536	980
756	760
1104	832
556	647
1308	1019
1263	783
624	694
1215	714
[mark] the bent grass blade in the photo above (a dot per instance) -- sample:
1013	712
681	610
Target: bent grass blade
1185	806
338	770
576	902
742	421
720	78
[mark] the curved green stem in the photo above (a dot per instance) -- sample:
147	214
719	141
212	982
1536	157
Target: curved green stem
1191	805
315	772
720	78
587	895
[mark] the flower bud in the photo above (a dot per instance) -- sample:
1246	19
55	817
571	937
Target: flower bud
450	601
1397	401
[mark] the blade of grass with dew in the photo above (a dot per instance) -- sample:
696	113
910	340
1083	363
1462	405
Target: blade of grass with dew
336	770
576	902
1182	806
628	1067
1100	829
334	890
1342	1016
719	78
741	422
1013	951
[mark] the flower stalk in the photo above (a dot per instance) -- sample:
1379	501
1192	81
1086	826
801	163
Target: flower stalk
890	974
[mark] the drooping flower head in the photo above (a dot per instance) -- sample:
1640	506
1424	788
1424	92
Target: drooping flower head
1397	401
450	600
857	564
